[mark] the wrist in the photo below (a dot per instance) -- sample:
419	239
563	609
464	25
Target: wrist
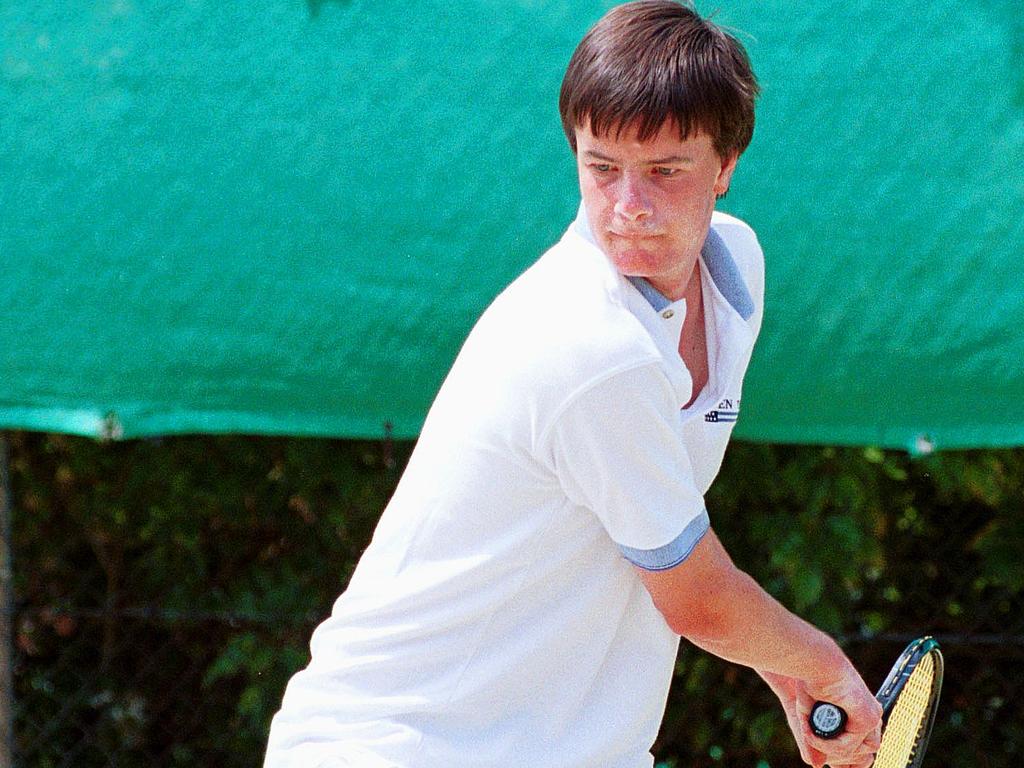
782	686
831	665
837	683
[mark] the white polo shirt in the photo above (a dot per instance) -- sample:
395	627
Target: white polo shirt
496	619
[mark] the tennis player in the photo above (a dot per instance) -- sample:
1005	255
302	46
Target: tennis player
523	597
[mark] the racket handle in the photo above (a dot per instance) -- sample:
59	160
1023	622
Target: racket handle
827	720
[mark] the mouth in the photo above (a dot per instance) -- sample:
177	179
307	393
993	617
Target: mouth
630	235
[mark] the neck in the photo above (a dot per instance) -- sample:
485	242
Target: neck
675	288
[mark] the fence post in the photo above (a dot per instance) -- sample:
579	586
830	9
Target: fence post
6	613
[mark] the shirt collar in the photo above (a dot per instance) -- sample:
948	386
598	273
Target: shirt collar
654	297
723	272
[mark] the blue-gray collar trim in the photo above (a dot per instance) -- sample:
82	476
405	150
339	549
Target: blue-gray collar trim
654	297
726	275
724	272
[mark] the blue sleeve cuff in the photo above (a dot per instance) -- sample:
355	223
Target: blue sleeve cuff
673	553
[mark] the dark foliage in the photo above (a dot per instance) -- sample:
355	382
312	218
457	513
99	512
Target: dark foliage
166	589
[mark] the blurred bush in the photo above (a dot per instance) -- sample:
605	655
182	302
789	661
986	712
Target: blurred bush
166	589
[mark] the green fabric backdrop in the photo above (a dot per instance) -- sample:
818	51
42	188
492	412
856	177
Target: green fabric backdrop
284	216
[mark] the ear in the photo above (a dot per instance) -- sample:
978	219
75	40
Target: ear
725	173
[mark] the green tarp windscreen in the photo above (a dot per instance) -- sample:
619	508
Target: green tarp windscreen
284	216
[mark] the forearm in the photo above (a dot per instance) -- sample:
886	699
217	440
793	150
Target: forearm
748	626
723	610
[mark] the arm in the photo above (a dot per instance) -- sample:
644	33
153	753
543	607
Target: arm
721	609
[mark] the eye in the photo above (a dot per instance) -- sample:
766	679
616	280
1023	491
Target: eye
665	171
601	167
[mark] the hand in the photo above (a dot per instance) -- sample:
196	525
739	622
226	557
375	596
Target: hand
788	689
857	746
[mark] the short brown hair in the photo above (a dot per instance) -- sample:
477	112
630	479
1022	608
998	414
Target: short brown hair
652	61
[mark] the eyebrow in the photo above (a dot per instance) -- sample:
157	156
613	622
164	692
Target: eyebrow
669	160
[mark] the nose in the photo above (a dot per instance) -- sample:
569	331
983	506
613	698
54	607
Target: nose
632	201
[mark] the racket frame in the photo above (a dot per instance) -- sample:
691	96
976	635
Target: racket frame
889	692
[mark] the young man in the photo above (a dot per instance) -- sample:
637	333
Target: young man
522	599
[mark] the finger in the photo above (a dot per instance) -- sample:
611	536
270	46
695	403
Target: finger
866	762
801	742
872	742
808	754
804	703
874	738
851	742
865	747
866	719
801	745
842	749
851	746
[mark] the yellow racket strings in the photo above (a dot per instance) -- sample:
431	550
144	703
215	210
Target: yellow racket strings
907	718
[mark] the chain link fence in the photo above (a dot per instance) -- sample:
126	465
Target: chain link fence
166	590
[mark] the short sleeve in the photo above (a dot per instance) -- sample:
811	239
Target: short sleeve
618	450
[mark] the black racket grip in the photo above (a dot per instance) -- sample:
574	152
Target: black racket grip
827	720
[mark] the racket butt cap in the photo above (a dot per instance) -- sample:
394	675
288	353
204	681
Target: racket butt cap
827	720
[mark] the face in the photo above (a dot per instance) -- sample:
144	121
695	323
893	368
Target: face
649	203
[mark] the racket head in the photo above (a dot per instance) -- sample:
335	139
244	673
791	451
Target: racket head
909	697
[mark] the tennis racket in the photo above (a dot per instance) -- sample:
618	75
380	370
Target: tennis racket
909	697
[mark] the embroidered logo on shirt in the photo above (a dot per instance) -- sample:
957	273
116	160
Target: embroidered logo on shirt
727	411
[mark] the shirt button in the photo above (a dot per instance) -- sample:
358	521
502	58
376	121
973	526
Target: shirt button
667	314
